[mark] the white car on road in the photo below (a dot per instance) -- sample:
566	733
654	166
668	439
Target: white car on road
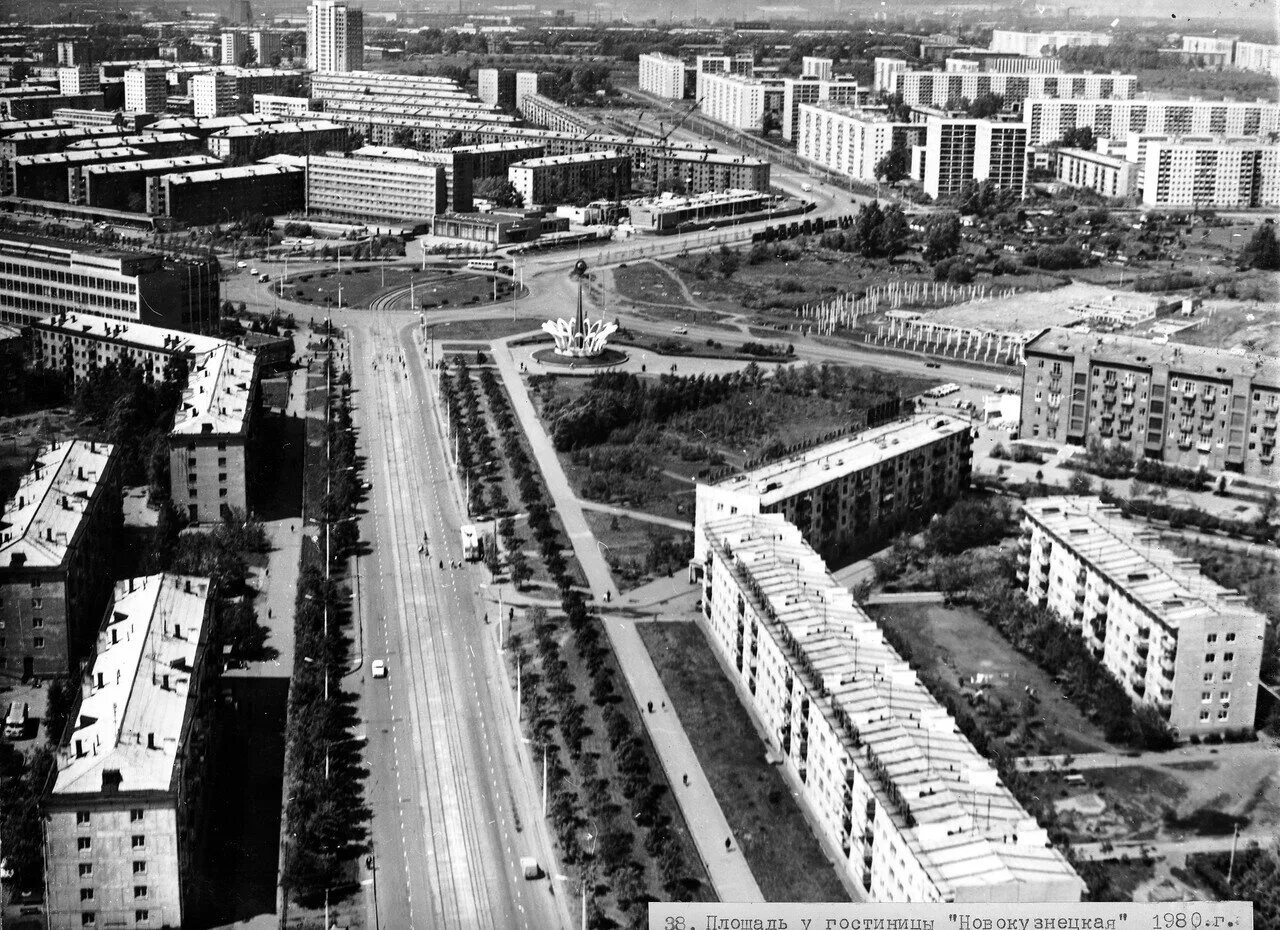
379	668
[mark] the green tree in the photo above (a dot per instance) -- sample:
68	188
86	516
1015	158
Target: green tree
894	235
499	190
1262	251
942	237
727	261
895	166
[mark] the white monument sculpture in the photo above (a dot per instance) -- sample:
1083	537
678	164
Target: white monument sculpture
579	337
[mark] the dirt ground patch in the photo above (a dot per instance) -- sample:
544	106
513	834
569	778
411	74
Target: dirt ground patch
638	551
1227	324
435	287
649	283
785	858
954	644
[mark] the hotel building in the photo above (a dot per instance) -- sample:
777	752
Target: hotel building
1172	638
376	189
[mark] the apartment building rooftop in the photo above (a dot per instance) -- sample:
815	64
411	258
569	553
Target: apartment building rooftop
72	158
40	522
1170	588
134	139
130	728
963	825
1198	361
219	391
240	131
211	123
155	338
576	158
865	114
155	164
815	467
226	174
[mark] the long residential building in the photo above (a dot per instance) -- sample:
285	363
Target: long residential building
1043	44
377	189
242	144
898	795
58	538
131	185
662	75
1182	404
850	140
797	92
944	88
55	176
221	195
1108	175
703	172
1173	638
739	100
960	150
44	277
550	114
79	343
848	493
1261	57
563	178
211	444
1048	120
126	823
1214	173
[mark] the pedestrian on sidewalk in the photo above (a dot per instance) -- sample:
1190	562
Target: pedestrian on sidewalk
686	779
651	707
728	844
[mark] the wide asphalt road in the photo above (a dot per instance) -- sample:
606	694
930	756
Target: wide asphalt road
453	801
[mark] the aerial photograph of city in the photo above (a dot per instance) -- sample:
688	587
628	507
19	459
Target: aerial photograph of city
492	465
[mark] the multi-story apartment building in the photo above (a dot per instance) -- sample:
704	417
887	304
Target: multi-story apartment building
243	144
235	45
57	544
796	92
1172	638
219	195
133	186
1109	175
1257	56
496	87
999	63
1047	120
79	343
1182	404
562	178
213	93
1217	173
704	65
54	176
903	802
852	141
823	69
662	75
944	88
335	36
1218	49
384	189
704	172
210	445
79	79
740	101
267	45
526	87
543	111
40	278
960	150
146	89
1043	44
117	120
281	106
126	821
885	74
855	490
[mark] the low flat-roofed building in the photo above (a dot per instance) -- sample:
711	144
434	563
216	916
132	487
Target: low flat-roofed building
126	821
210	445
560	179
497	228
128	122
221	195
1108	175
42	277
910	809
847	494
668	213
78	343
1173	638
57	552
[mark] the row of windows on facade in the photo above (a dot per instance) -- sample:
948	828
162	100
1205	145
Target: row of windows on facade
11	270
90	918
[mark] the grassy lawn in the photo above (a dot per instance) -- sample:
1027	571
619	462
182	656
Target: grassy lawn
785	857
494	327
629	547
648	283
435	287
950	645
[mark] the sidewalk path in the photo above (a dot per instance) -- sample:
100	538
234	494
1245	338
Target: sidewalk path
636	515
728	870
1225	754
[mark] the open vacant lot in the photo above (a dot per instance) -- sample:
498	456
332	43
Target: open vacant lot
952	645
785	857
638	551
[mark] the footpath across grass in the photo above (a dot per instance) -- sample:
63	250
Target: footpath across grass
785	857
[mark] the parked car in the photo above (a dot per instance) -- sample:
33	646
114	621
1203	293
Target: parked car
379	668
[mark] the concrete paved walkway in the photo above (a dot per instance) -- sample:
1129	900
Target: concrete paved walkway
727	867
637	515
277	586
1225	754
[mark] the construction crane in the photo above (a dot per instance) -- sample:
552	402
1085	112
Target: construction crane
667	135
